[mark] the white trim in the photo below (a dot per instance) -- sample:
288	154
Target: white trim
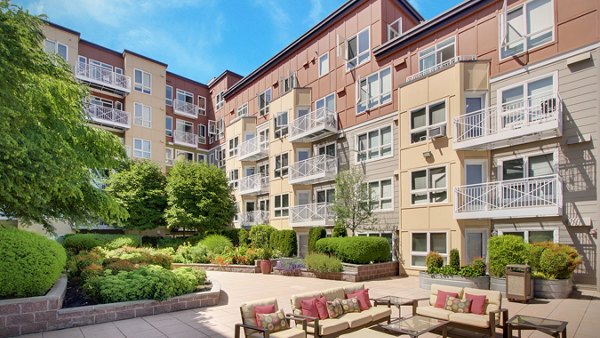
328	64
435	51
369	122
286	167
202	109
281	208
172	125
391	179
133	149
167	98
419	253
525	156
379	95
526	229
428	126
525	82
142	83
477	161
366	132
389	27
182	152
368	28
429	190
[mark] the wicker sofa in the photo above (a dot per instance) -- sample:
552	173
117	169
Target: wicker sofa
348	322
251	329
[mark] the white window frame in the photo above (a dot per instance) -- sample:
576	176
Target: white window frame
281	129
525	156
325	145
201	133
201	105
185	94
288	83
282	171
184	152
220	100
527	230
428	126
56	45
324	102
140	152
169	132
525	85
429	190
234	177
268	96
380	147
234	144
359	54
169	100
242	110
391	198
169	155
324	64
433	49
394	32
263	137
141	120
424	253
263	168
363	104
141	86
281	209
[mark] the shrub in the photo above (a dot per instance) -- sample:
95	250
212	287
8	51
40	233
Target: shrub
323	263
141	256
187	253
260	236
356	250
30	263
339	230
232	234
79	262
475	269
434	262
455	259
284	241
315	234
216	243
92	270
241	255
504	250
553	264
243	237
175	242
561	271
78	242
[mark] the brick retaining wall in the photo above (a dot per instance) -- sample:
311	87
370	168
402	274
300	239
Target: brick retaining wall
355	273
36	314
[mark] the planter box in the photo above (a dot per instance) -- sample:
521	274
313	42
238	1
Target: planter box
216	267
499	284
553	289
425	281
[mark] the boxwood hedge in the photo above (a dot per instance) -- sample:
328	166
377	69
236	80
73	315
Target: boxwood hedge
356	250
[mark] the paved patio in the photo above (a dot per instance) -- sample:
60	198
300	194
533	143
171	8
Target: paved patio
582	311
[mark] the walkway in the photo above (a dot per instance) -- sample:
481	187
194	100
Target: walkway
581	311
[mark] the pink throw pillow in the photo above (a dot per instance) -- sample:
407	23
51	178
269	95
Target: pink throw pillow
261	310
477	303
321	304
309	307
440	301
363	298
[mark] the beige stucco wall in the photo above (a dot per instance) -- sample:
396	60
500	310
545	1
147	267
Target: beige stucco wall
67	38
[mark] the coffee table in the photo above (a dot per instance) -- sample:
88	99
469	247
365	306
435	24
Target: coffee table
413	326
551	327
398	302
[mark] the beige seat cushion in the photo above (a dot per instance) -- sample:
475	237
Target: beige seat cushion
331	294
355	319
436	287
378	312
431	311
289	333
470	319
332	325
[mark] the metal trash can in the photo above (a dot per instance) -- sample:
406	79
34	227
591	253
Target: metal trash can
518	282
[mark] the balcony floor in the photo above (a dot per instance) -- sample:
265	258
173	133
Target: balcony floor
539	211
313	135
511	137
312	179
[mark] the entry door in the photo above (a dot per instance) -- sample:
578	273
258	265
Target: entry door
250	211
475	120
302	154
303	197
475	244
248	136
475	176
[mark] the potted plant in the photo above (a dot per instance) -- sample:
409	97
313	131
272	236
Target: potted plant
502	251
265	262
553	265
472	275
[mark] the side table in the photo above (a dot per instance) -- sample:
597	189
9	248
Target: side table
555	328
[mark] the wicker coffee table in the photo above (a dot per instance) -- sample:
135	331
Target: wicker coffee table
552	327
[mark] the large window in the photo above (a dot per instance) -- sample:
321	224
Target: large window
184	96
281	165
323	64
169	95
169	126
374	90
439	53
281	205
424	242
56	47
528	166
201	105
220	100
233	146
528	102
327	102
169	156
242	110
281	124
264	99
184	126
142	115
142	81
186	155
533	235
526	26
381	195
394	29
429	186
201	133
358	49
374	144
141	148
234	176
428	122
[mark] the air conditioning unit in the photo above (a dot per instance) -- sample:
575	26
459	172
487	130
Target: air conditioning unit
437	132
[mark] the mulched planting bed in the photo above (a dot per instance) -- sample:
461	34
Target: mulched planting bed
75	297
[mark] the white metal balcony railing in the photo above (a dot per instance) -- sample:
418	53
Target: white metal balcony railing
253	149
254	217
108	116
254	184
528	197
201	139
316	169
535	117
185	138
184	108
313	126
103	77
440	66
316	214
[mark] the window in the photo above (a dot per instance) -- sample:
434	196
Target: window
281	165
220	155
281	124
327	149
233	146
528	166
169	156
429	186
327	102
323	64
326	196
374	90
428	122
220	99
142	115
57	48
374	144
264	99
263	169
234	176
528	102
201	105
358	49
201	158
186	155
526	27
169	126
381	194
242	110
439	53
424	242
533	235
288	83
201	133
221	128
98	101
142	81
394	29
186	127
263	137
184	96
141	148
169	95
282	205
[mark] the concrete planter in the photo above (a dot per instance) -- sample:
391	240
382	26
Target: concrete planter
498	284
425	281
553	289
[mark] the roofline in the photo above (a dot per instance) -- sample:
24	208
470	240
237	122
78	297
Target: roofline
50	23
433	23
314	30
100	46
127	51
218	78
186	79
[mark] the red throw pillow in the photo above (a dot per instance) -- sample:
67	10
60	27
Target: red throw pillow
440	301
263	309
477	303
321	304
363	298
309	307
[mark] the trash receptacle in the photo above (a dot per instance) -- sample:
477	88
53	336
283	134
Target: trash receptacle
518	282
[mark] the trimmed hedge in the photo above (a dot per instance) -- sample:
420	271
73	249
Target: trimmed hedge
260	236
356	250
315	234
322	263
30	263
504	250
284	241
77	242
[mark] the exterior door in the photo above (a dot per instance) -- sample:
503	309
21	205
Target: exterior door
475	120
475	194
250	205
475	244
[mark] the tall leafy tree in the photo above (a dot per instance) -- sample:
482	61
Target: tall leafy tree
198	197
48	153
141	191
352	205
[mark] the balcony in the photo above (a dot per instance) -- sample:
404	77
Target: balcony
108	116
531	119
528	197
310	215
184	108
253	149
254	185
440	66
184	138
251	218
314	126
321	168
103	78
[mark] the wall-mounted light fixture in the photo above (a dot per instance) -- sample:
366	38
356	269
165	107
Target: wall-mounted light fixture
427	154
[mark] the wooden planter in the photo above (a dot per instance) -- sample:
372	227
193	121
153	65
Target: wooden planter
425	281
553	289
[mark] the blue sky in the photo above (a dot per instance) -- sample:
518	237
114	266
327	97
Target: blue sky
198	39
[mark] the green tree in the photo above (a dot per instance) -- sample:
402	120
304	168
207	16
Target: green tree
352	205
198	197
48	153
140	189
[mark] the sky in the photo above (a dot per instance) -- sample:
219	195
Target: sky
198	39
